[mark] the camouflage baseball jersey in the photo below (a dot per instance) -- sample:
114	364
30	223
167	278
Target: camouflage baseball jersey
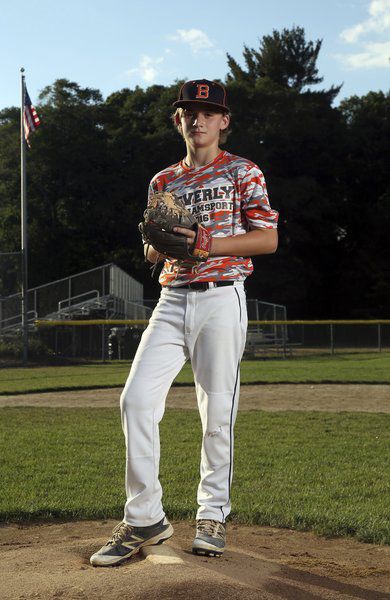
228	197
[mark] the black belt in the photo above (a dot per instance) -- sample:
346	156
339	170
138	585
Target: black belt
202	285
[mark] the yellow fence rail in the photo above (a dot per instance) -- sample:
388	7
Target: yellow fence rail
86	322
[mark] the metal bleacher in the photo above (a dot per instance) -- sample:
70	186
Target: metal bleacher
266	338
106	292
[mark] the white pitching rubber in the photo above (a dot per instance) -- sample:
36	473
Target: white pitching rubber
160	555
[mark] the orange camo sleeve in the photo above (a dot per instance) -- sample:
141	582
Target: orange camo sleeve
255	202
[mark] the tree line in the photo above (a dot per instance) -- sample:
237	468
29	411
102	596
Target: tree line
326	169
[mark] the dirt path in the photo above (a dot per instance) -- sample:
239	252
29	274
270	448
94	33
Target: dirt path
330	397
51	561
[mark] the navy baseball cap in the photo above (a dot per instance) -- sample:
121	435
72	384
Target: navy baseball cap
204	91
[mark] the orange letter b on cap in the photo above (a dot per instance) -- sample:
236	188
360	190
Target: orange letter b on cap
203	90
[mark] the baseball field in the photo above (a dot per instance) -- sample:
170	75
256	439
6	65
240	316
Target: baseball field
310	493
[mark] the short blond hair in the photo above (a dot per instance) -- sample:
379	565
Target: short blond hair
177	115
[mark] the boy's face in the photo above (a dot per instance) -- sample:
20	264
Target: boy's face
201	125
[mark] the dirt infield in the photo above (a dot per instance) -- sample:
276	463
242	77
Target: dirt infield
329	397
51	561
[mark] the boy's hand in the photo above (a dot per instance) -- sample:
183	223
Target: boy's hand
189	233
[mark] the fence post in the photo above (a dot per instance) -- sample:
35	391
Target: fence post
331	339
275	326
103	343
285	327
90	341
73	341
379	338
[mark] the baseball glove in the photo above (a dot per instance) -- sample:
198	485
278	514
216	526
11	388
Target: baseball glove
164	212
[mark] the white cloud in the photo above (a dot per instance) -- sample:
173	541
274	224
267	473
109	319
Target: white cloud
195	38
374	52
377	22
374	55
146	68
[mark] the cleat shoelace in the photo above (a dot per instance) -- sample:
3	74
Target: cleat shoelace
212	528
120	533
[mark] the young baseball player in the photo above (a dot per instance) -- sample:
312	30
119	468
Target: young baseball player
201	317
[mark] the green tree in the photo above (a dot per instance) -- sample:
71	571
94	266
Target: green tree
141	141
285	58
296	137
67	182
92	159
9	200
365	266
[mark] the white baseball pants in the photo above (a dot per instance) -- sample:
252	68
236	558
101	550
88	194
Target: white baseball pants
209	328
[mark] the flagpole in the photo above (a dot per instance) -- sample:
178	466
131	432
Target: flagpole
23	223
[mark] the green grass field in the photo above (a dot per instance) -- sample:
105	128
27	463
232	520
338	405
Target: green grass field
352	368
326	472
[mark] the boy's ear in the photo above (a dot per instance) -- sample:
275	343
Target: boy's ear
178	124
225	122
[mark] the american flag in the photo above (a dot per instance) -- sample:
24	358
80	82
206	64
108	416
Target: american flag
30	118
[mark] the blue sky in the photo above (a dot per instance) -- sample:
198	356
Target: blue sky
117	44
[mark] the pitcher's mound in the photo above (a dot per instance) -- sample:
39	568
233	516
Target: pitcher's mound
51	561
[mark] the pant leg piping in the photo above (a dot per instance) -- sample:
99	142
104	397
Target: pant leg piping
239	302
231	430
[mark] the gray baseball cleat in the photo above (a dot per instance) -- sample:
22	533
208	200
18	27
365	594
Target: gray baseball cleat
210	538
127	540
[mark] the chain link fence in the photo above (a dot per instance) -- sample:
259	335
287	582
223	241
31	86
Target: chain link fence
119	339
269	333
304	337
